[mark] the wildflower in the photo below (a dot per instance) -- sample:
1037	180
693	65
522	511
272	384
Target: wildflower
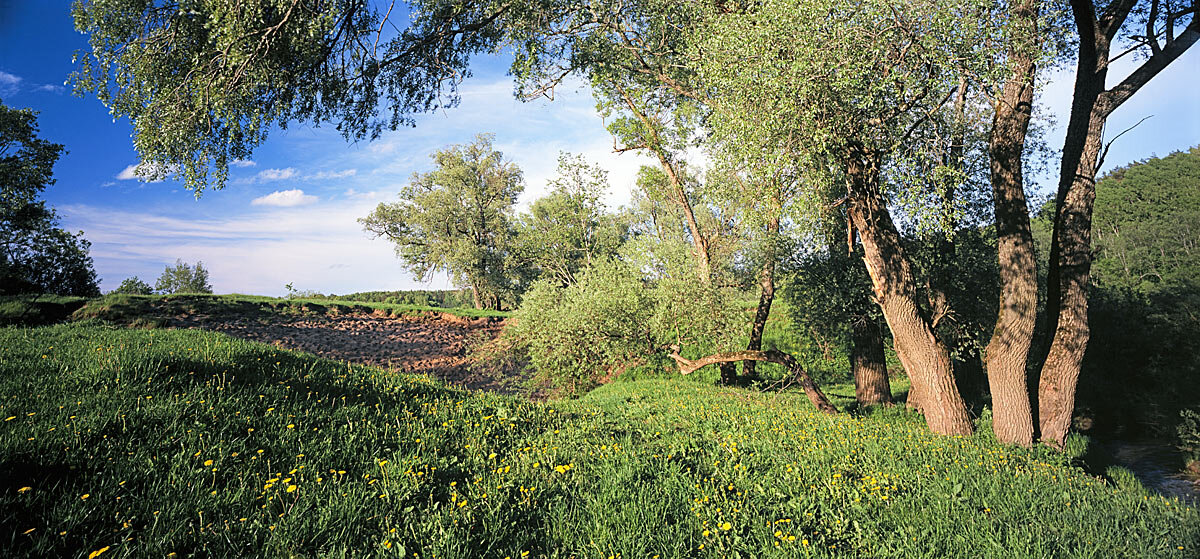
208	462
291	488
24	489
95	554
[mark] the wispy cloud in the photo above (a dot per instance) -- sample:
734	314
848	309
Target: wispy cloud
9	83
243	163
276	174
320	247
51	88
285	199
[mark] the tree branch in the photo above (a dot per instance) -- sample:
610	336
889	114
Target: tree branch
811	389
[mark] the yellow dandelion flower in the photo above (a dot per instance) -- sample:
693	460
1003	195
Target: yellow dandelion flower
24	489
95	554
208	462
291	488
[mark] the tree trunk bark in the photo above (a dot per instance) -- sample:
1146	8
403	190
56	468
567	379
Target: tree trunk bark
765	297
475	297
1008	350
814	393
925	358
871	386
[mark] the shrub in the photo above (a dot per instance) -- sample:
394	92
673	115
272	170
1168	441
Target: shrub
1188	433
134	286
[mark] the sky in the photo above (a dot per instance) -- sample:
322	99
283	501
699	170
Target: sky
289	214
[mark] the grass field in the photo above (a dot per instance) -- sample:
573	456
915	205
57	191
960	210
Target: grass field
184	443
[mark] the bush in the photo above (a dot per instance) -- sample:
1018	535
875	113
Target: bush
1188	433
611	319
134	286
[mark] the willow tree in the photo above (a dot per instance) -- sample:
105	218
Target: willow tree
458	218
846	108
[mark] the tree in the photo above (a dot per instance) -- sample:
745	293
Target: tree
183	278
458	219
134	286
35	254
1156	27
569	228
852	105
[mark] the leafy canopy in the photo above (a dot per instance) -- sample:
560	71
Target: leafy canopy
35	254
458	219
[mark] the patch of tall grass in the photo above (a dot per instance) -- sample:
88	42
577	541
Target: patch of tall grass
192	443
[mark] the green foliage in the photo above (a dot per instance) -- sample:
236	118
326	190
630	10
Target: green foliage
1187	434
612	318
458	219
134	286
36	256
1146	224
183	278
113	431
436	298
37	309
578	334
569	228
204	83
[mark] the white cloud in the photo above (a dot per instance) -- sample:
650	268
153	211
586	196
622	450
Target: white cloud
327	175
51	88
9	83
285	199
243	163
130	173
276	174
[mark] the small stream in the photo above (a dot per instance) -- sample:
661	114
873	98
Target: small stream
1156	465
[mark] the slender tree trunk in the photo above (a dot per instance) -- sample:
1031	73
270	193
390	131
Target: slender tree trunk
765	297
925	358
871	386
1070	257
1008	350
475	297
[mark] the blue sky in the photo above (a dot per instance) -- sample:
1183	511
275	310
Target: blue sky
289	214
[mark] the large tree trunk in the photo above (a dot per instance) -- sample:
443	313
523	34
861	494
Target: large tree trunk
1008	350
871	386
814	393
766	295
925	358
1070	257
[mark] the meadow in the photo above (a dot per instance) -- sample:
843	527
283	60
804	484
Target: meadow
119	442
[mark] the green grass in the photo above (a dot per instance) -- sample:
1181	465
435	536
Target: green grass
36	309
152	442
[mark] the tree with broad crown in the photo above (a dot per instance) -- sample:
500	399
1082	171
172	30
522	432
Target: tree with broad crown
183	278
35	254
458	219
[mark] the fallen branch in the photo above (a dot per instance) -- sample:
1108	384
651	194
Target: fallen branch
818	398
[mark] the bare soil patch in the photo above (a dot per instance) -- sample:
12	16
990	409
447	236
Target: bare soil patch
433	345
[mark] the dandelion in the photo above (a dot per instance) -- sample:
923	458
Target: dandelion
95	554
24	489
726	526
85	496
208	462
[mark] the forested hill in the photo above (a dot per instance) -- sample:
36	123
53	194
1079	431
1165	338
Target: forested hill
1147	223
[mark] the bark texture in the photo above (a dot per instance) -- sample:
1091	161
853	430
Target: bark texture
814	393
1008	350
871	386
925	358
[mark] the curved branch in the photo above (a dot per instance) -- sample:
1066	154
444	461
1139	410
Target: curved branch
818	398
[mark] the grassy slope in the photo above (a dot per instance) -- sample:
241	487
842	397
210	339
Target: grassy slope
149	442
